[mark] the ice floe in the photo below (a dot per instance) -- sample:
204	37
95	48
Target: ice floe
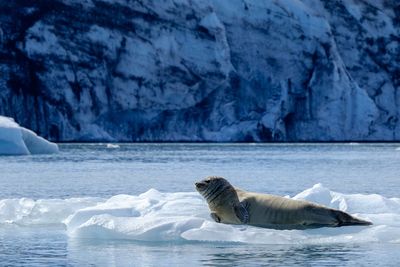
184	216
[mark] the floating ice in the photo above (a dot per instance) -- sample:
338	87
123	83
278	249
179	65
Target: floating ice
354	144
17	140
112	146
182	217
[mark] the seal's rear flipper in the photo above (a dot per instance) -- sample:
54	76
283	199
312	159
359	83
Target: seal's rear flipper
241	211
345	219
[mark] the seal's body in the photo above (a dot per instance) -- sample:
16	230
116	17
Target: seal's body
234	206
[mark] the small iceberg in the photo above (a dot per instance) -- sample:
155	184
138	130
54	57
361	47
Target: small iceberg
17	140
354	144
112	146
155	216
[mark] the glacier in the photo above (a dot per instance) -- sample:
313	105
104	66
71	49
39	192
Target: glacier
154	216
17	140
205	70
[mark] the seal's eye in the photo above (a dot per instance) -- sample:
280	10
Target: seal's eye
207	181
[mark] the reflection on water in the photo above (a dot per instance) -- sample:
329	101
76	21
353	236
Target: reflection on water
44	246
36	246
208	254
285	256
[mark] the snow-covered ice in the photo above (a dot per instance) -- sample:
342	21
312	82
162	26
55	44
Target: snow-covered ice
184	216
17	140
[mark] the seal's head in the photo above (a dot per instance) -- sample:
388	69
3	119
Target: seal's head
213	187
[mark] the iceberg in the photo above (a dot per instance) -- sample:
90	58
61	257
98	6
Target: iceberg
154	216
17	140
112	146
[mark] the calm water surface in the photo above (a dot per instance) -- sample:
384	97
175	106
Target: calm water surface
94	170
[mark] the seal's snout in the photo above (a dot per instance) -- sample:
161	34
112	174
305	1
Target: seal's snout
199	185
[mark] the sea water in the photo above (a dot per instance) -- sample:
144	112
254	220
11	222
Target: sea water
135	205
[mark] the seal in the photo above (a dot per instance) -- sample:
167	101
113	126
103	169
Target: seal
231	205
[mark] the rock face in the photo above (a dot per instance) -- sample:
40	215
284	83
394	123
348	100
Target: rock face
204	70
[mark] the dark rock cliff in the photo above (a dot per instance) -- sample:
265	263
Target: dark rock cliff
205	70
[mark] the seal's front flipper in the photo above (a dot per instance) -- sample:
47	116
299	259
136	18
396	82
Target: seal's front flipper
242	212
215	217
